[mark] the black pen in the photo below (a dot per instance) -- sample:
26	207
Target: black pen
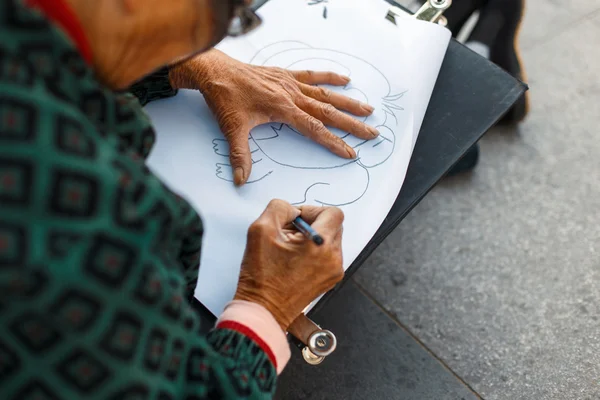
305	228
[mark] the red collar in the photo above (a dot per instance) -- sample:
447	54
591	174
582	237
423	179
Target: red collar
59	12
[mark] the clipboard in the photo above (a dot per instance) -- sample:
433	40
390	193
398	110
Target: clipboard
315	342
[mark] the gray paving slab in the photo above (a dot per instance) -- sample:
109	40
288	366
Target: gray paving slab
546	19
376	359
498	272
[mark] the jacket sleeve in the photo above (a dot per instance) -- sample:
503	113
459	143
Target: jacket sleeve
88	313
61	336
153	87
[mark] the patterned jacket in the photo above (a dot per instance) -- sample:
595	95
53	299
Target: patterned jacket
97	256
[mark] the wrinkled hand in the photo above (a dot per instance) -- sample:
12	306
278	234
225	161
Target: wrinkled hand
243	96
284	271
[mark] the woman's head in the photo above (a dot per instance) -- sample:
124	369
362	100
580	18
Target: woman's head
131	38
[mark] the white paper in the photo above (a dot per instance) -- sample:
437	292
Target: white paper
392	68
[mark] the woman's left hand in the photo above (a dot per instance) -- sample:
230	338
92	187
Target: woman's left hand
243	96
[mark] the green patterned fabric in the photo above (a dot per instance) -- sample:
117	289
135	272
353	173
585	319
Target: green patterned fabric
97	256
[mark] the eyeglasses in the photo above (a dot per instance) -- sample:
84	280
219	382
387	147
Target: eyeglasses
244	19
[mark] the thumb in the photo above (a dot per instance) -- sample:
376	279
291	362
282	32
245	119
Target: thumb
239	150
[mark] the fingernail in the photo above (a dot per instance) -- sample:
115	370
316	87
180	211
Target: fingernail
238	176
368	108
346	79
350	151
373	131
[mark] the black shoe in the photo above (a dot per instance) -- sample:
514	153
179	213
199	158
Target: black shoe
498	27
467	163
459	12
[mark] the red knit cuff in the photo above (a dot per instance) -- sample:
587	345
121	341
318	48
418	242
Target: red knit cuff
256	322
244	330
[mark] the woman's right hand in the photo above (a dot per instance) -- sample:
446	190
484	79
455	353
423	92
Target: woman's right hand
284	271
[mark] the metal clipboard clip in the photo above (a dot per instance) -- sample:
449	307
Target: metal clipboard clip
319	343
431	11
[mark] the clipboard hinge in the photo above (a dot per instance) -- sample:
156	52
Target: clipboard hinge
431	11
319	343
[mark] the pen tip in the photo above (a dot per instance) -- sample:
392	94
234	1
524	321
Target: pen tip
318	240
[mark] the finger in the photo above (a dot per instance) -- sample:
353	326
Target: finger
337	100
337	240
311	213
326	221
279	213
333	117
236	132
320	78
314	129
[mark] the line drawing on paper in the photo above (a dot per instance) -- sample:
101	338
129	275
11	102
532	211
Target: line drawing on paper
279	148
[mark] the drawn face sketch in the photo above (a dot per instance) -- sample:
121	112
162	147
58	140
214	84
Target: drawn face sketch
284	145
280	150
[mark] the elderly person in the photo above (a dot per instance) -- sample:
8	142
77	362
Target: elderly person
97	256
